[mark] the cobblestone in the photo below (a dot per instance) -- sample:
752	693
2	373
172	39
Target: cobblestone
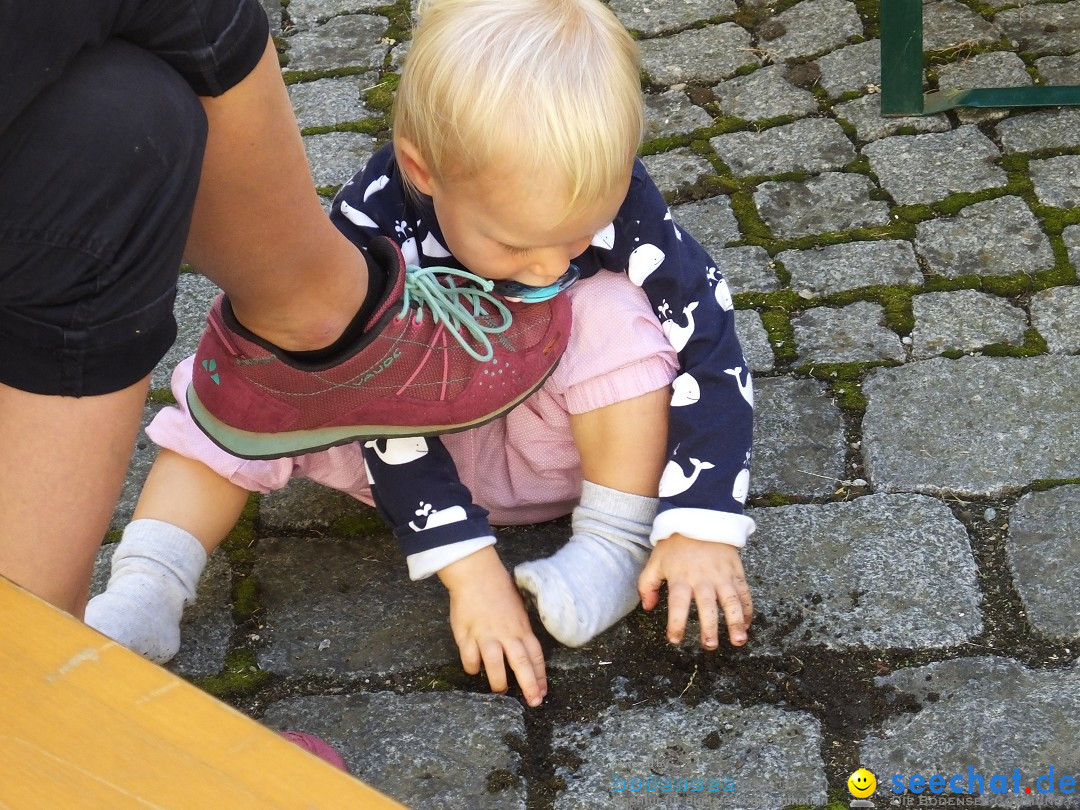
964	320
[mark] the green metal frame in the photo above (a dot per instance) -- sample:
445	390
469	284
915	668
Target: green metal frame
902	73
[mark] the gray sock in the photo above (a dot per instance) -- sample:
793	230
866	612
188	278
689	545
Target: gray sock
591	582
155	571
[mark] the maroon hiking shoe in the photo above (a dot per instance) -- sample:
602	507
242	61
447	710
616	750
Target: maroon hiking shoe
440	354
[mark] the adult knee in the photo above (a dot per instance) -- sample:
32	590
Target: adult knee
137	126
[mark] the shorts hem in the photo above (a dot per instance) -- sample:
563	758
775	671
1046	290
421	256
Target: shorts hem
43	358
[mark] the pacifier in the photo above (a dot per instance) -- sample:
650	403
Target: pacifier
528	294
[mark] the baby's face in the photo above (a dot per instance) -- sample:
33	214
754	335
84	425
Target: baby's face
512	226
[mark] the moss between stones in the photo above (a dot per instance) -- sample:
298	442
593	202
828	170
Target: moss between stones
750	222
369	126
1006	286
896	301
365	522
769	499
870	14
955	203
1050	483
298	76
860	165
847	380
1056	220
914	213
783	275
849	396
381	95
245	600
160	396
241	676
400	16
724	124
777	323
450	677
237	543
1033	345
658	146
852	132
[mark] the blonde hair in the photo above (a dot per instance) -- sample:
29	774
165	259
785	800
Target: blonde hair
553	85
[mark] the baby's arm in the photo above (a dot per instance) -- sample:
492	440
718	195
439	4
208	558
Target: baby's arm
708	574
417	490
489	624
622	446
705	484
434	518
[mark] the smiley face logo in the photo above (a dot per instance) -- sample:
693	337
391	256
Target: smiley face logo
862	783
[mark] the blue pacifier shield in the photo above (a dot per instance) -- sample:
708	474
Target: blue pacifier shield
516	291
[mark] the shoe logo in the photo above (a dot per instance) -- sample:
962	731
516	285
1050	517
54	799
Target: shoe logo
380	367
211	367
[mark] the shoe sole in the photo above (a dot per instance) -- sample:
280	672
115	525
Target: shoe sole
260	446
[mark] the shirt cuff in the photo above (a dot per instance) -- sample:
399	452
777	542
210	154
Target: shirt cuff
703	524
423	564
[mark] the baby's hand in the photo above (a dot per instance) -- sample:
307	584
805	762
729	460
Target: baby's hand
489	622
709	573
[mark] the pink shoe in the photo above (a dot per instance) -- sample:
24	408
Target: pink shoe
320	748
437	356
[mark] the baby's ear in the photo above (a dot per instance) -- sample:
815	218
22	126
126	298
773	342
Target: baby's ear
412	163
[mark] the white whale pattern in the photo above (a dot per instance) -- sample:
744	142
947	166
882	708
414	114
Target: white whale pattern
399	451
745	388
643	261
685	390
674	481
669	218
437	517
375	185
678	336
723	295
431	247
357	217
409	252
605	237
742	486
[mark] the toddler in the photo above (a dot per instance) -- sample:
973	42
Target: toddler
516	126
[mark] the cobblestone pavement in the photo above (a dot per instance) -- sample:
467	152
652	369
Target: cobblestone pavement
907	290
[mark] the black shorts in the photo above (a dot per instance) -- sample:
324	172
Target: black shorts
101	143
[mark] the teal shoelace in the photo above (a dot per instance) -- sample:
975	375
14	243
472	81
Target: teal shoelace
456	307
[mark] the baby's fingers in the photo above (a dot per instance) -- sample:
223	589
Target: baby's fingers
492	653
737	612
649	583
527	662
678	600
470	655
708	615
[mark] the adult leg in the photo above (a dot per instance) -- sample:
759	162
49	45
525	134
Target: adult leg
259	231
66	462
96	178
